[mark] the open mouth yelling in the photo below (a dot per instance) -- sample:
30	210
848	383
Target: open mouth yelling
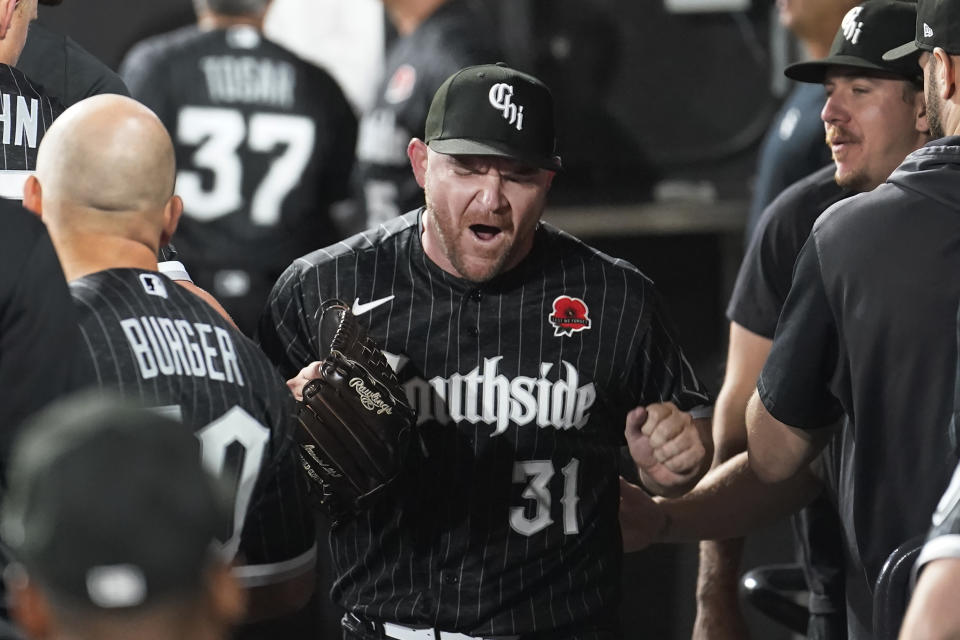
484	233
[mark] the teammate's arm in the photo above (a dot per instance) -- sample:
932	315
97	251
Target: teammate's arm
933	613
729	502
777	450
718	606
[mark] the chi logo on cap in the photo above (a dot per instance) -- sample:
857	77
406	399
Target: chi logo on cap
927	31
852	25
501	98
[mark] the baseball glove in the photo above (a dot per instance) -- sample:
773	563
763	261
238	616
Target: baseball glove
357	427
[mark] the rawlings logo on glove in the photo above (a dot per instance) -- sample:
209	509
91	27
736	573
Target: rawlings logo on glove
370	400
357	426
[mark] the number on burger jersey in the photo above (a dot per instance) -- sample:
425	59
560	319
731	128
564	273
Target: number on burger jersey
235	426
219	135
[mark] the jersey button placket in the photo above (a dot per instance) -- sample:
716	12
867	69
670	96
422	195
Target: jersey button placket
473	297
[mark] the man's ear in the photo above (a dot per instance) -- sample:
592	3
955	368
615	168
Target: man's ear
7	8
33	196
945	70
417	152
171	218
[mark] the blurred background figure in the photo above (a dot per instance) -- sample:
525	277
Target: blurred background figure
587	45
65	68
794	147
114	527
434	39
264	145
345	38
27	109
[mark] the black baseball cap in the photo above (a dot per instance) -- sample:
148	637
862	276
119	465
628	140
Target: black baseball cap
866	33
493	110
937	25
108	506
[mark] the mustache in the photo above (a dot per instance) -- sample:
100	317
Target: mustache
836	134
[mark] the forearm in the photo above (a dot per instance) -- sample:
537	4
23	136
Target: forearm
933	613
731	501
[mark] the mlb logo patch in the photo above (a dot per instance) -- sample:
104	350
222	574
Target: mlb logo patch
569	316
153	284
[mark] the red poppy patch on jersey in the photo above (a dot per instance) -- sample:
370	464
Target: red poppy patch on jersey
401	84
569	315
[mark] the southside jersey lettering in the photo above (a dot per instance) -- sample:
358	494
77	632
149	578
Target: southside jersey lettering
509	525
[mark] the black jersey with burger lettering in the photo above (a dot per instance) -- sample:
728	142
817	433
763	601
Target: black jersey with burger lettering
264	145
521	385
165	348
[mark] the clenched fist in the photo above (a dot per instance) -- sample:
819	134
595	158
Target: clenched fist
668	447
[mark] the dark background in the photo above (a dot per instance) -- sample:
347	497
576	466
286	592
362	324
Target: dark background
648	96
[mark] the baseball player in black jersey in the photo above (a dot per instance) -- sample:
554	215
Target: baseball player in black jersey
104	186
436	38
877	106
264	143
867	336
524	352
26	110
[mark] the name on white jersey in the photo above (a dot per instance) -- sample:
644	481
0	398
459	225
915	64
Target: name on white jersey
250	80
20	124
490	397
164	346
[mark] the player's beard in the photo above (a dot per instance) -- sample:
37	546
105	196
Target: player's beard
447	233
932	96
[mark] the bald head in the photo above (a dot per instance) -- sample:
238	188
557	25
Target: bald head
107	153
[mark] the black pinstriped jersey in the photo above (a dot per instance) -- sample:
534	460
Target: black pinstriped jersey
264	144
453	37
167	349
26	112
521	385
